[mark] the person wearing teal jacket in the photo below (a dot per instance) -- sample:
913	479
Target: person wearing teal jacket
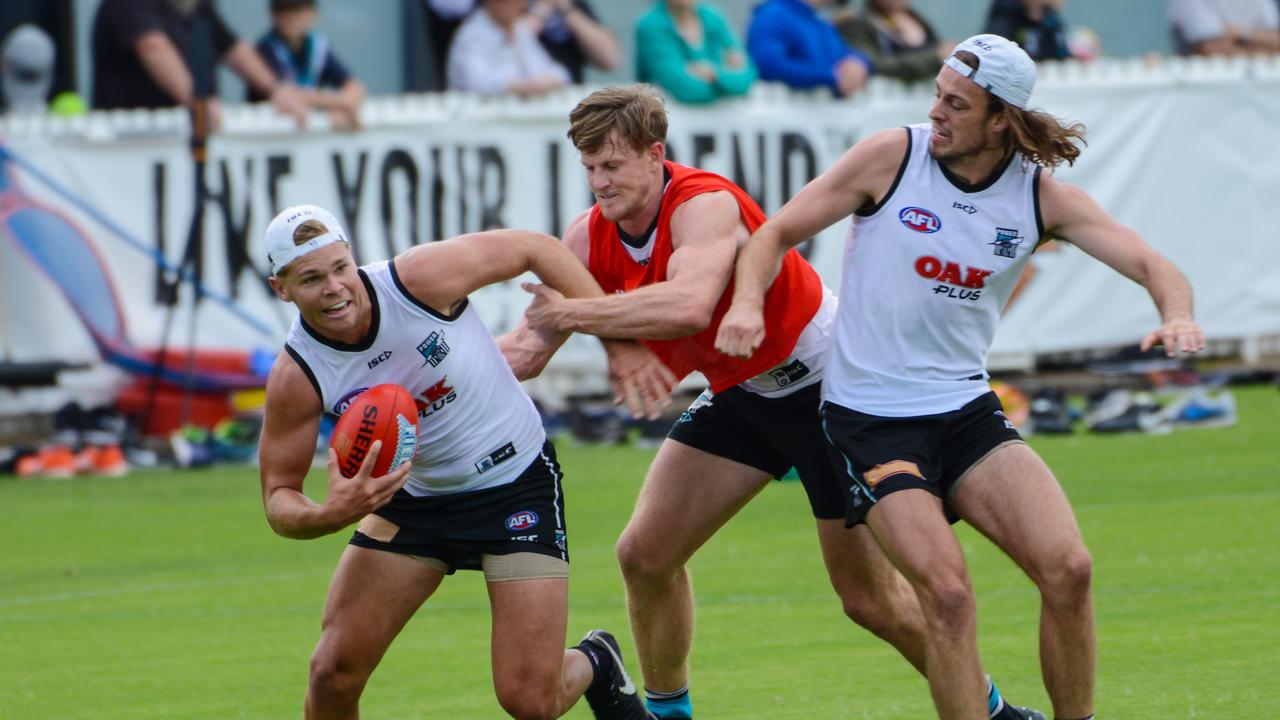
685	47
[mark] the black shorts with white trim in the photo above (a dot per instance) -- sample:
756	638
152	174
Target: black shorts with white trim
770	434
876	456
525	515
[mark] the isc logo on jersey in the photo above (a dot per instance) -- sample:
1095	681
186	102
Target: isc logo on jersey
435	398
920	220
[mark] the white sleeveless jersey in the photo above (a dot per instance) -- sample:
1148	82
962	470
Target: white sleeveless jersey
476	426
926	275
804	366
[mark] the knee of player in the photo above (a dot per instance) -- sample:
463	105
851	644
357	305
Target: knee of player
640	559
530	701
878	612
529	689
330	678
1069	573
946	596
862	607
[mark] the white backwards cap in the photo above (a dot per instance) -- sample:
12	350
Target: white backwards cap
1004	69
280	247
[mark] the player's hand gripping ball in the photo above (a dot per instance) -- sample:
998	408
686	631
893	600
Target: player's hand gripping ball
383	412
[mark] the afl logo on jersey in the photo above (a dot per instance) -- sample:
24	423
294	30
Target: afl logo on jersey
522	520
346	400
920	220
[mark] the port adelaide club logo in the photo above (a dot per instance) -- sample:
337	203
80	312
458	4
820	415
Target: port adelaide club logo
433	349
1007	242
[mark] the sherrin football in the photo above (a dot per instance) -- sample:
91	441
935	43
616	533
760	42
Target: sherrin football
383	412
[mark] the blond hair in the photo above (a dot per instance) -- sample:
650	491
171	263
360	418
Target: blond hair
637	112
1038	136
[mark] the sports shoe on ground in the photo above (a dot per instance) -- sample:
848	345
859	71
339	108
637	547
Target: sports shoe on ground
1105	404
57	461
1012	712
108	460
84	459
1198	409
28	466
1005	711
1122	411
617	698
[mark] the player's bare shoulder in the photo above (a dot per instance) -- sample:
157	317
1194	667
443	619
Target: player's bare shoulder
1062	205
417	266
867	170
435	273
290	392
707	218
878	153
722	203
883	155
862	177
886	147
578	238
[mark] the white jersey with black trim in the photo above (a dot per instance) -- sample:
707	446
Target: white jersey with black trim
926	275
476	426
803	367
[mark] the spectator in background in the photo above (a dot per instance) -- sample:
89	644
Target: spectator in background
686	48
1036	25
26	70
573	36
1225	27
56	19
495	51
791	43
443	19
162	53
900	42
568	29
299	55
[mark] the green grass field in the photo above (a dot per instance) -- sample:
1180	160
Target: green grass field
165	595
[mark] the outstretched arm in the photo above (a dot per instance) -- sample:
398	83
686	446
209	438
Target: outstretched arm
285	450
1072	215
528	350
442	274
851	182
705	233
639	380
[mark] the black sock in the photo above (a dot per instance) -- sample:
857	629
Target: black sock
601	665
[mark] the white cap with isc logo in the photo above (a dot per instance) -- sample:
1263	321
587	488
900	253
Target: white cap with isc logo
281	250
1004	69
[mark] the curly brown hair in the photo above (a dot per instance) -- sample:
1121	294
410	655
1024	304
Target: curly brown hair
1040	137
